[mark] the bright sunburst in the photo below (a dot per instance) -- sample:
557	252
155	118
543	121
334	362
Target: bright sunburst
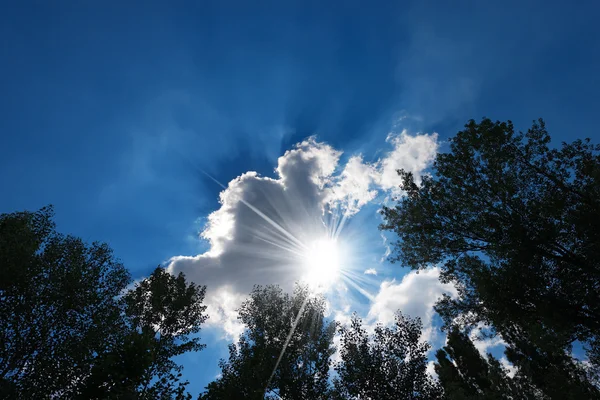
322	263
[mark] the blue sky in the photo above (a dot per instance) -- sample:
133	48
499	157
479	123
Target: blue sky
112	110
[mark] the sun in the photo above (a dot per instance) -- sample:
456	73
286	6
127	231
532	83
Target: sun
322	263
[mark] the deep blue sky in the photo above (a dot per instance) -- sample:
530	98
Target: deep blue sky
109	109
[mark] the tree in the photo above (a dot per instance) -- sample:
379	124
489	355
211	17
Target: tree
549	367
70	329
465	374
390	364
162	315
515	225
284	351
58	306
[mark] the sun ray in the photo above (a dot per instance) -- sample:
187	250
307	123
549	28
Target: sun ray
275	235
358	288
259	213
358	277
289	249
287	341
340	226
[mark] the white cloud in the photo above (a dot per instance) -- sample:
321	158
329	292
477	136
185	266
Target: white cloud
511	370
431	369
414	296
360	182
222	309
388	248
258	233
370	271
355	186
411	153
482	343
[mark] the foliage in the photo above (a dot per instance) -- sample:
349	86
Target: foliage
549	367
515	226
390	364
69	328
465	374
162	315
58	307
278	326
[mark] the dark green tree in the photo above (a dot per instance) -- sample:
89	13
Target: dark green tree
390	364
69	329
465	374
58	306
162	317
547	365
515	225
284	351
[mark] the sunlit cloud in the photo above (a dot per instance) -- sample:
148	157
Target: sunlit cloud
293	227
411	152
431	369
415	295
482	342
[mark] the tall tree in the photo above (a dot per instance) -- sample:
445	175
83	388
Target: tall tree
69	329
390	364
547	365
284	351
515	226
162	317
465	374
58	306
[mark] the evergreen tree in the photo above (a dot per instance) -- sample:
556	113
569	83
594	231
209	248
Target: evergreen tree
284	351
69	329
465	374
390	364
162	317
58	306
548	366
515	225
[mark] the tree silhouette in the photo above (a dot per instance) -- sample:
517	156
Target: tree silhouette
465	374
389	364
284	351
162	316
58	307
69	329
515	226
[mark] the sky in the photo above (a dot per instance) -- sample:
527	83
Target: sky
221	138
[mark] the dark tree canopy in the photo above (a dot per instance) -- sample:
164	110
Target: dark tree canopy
252	371
547	366
58	305
390	364
162	316
465	374
67	330
515	226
